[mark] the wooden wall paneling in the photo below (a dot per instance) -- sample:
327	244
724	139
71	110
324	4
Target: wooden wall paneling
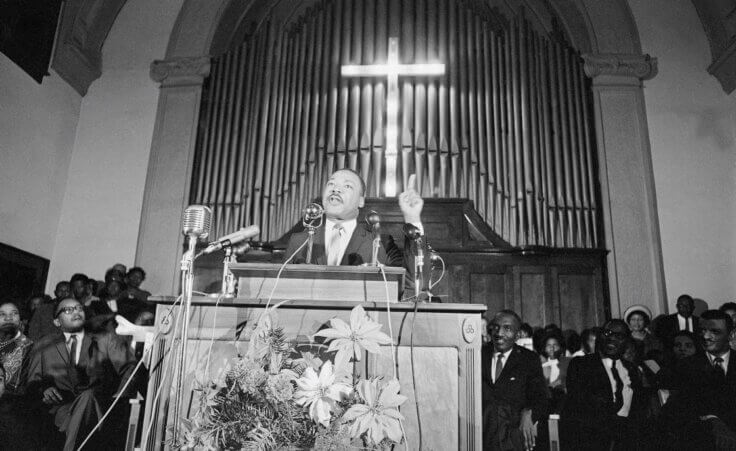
579	301
531	293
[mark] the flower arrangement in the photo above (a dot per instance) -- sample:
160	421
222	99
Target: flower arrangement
276	397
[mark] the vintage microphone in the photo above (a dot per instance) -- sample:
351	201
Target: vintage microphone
231	243
414	234
374	221
312	220
196	224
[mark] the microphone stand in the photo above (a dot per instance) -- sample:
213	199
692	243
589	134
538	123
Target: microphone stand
418	267
187	281
309	224
228	278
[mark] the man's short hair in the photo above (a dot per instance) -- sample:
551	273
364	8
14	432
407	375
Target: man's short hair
137	269
618	321
715	315
511	313
79	276
686	297
363	186
62	283
728	306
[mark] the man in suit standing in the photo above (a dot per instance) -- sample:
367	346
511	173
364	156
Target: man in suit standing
669	325
701	413
345	241
598	414
515	395
76	374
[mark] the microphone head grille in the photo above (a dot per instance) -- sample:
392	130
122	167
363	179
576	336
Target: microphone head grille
313	211
197	221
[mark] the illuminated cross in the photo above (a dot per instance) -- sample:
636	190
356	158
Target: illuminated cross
392	69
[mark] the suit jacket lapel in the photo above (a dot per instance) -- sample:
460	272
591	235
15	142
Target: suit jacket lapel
356	240
61	348
508	367
602	375
84	352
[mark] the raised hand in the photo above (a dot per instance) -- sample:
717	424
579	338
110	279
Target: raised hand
411	203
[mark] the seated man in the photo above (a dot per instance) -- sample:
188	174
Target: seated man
701	413
599	412
78	374
515	396
344	241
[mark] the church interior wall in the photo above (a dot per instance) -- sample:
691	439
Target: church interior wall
692	129
104	194
37	126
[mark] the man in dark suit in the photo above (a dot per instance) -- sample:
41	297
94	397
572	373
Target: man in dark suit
701	413
77	374
514	390
669	325
344	240
599	411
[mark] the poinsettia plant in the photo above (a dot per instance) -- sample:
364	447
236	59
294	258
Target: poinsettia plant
279	395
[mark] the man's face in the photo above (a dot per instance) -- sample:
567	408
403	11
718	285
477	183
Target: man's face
731	313
79	289
685	307
113	288
135	279
714	335
33	303
62	290
504	331
342	196
613	343
683	347
119	267
9	319
70	316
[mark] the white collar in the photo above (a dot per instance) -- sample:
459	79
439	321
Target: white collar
348	226
505	354
683	318
725	356
80	336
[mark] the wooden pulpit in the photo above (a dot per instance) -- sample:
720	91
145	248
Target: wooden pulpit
437	349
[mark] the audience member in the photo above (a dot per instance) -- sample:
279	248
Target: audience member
119	268
646	345
14	350
730	309
668	325
514	392
554	366
133	280
526	334
80	289
587	341
701	414
685	345
77	374
598	412
62	291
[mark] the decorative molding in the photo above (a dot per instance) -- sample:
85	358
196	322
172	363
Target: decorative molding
183	71
83	29
643	67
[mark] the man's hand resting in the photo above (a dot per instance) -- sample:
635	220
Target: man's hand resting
52	396
528	429
411	203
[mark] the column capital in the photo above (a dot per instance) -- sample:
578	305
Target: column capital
643	67
182	71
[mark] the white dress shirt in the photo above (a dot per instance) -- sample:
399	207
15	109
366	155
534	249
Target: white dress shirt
338	252
80	337
623	373
685	323
504	359
726	357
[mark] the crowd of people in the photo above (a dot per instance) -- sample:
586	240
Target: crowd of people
634	383
62	364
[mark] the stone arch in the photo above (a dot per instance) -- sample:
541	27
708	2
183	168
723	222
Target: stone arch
603	30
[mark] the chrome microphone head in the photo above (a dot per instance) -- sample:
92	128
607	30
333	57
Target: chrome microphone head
372	218
197	221
313	211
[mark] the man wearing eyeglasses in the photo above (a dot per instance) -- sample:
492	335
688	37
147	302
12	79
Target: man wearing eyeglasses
76	375
601	409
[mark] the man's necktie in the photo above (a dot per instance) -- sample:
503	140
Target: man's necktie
499	367
333	247
718	367
619	383
72	349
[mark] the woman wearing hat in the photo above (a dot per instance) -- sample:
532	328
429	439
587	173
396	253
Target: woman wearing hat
638	317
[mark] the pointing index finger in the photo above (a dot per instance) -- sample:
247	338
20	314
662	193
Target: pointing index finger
412	184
